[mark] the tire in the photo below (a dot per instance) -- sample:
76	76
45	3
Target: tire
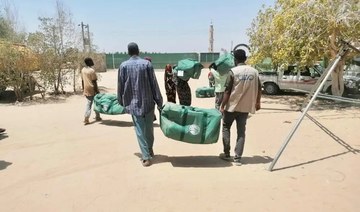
2	88
271	88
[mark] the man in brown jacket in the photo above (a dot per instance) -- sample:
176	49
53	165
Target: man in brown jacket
90	87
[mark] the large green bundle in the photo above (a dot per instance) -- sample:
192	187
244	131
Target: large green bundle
188	68
204	92
224	63
190	124
107	104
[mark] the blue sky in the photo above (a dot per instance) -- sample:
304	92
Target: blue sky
157	25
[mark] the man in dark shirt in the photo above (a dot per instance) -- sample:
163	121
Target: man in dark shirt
138	91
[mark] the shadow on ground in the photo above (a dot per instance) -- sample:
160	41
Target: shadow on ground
313	161
190	161
208	161
256	159
296	99
337	139
205	161
117	123
3	136
4	164
9	97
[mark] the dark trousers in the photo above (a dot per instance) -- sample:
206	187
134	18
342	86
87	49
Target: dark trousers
228	119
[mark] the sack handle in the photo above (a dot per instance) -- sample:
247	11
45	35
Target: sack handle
188	107
183	122
204	124
204	128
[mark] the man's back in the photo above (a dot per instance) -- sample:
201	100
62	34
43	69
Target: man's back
88	76
244	89
138	87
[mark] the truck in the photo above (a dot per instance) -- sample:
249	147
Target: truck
292	78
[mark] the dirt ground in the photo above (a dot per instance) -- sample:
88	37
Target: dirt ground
50	161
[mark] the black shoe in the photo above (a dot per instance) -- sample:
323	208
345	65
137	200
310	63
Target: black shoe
225	157
2	130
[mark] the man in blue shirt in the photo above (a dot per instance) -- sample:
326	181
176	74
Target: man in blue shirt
138	91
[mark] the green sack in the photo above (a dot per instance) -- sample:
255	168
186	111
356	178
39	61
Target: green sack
190	124
204	92
107	104
224	63
188	68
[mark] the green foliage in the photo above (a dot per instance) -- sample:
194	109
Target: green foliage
17	64
303	31
55	42
5	29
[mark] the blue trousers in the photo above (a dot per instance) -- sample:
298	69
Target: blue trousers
89	102
144	128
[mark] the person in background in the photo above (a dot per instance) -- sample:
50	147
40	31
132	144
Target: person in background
183	90
219	84
138	91
211	78
170	87
242	96
90	88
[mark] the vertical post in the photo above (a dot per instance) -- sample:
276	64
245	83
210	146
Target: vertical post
211	37
338	58
83	35
88	35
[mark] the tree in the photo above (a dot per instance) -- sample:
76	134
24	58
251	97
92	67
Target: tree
304	32
9	25
52	42
5	29
16	66
17	62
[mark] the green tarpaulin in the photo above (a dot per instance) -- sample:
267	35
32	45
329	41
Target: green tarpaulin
190	124
188	68
224	63
108	104
205	92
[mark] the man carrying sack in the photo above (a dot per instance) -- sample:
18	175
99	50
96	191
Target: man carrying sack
242	96
138	91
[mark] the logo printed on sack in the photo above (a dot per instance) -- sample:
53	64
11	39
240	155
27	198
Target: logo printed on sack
194	129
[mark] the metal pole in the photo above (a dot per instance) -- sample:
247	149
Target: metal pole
83	35
304	112
88	35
